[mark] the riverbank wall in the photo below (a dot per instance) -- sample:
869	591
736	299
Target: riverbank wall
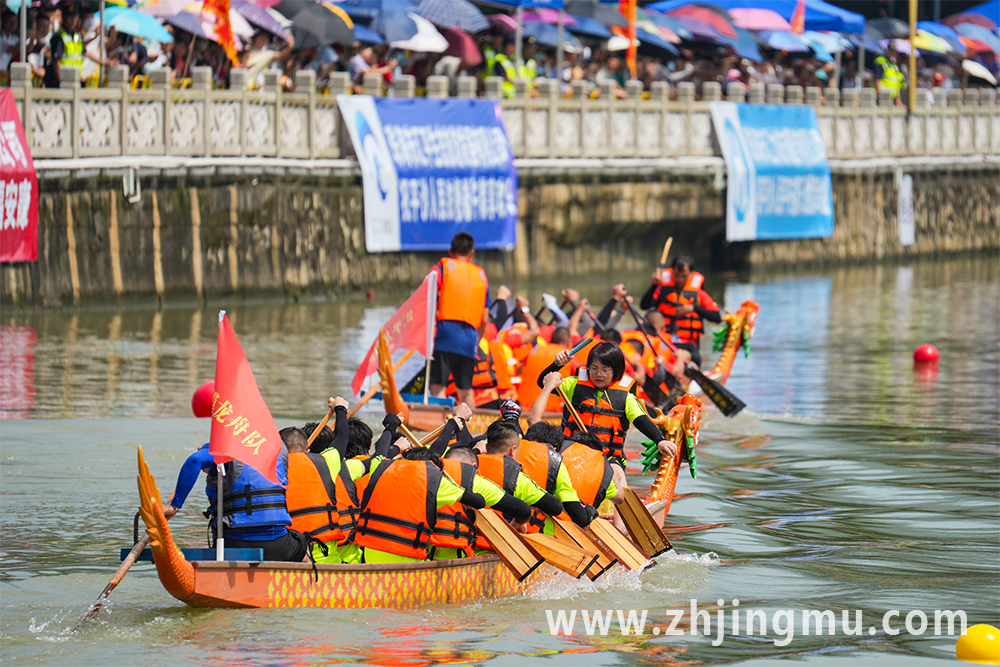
207	228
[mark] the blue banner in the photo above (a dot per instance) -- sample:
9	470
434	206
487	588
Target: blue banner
430	169
778	178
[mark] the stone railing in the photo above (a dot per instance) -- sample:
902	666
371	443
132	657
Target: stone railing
74	122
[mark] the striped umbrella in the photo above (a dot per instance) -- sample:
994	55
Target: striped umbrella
460	14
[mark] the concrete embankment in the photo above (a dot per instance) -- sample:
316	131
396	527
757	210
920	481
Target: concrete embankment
213	227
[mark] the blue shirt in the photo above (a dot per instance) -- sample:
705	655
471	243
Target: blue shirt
456	336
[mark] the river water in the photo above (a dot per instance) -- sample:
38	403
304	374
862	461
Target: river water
851	482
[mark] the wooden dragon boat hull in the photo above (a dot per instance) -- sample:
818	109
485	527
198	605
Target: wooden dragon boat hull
394	586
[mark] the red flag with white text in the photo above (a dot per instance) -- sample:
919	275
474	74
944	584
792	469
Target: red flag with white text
799	17
18	187
242	426
410	328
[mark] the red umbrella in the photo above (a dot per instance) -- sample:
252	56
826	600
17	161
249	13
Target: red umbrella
706	15
502	21
462	45
975	19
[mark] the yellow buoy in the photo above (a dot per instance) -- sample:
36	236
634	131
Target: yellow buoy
980	645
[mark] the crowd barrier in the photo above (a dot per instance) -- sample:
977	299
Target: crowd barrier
200	121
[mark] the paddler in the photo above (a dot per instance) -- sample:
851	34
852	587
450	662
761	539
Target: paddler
602	396
500	465
678	293
589	471
536	362
400	504
463	306
322	497
254	511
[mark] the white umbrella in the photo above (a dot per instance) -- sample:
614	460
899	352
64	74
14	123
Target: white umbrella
617	43
427	39
979	71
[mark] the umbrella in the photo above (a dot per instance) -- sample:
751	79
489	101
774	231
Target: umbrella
980	33
547	34
671	23
973	46
699	29
617	43
606	13
371	8
649	39
745	46
546	15
944	32
979	71
783	40
325	21
396	26
363	33
990	9
970	18
706	15
194	25
502	21
462	45
925	41
828	42
132	22
460	14
266	4
584	25
258	16
239	25
427	39
890	28
758	19
164	8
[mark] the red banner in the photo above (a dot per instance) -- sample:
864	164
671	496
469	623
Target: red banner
18	188
799	17
242	426
223	28
410	328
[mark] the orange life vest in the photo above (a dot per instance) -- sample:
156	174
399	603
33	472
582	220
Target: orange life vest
502	470
602	412
462	296
537	362
541	463
636	350
399	508
454	528
320	506
687	327
589	471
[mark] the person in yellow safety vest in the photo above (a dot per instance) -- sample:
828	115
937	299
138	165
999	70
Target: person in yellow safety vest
528	70
887	72
67	44
503	66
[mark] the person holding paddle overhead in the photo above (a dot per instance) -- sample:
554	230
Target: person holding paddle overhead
678	293
601	402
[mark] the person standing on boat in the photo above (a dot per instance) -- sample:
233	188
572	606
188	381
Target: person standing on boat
254	511
602	395
678	293
463	306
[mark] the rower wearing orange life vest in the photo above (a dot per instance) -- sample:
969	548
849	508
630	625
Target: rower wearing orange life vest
322	497
601	395
463	304
678	293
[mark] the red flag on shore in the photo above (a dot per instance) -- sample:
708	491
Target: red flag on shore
223	28
410	328
799	17
627	9
18	187
242	426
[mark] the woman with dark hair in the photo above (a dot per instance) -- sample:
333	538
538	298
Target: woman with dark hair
602	396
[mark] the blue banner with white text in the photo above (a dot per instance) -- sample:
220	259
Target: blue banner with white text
430	169
778	183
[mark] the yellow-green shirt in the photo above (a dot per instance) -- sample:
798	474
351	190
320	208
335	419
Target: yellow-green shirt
493	494
341	553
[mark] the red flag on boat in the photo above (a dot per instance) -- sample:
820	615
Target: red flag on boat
410	328
242	426
799	17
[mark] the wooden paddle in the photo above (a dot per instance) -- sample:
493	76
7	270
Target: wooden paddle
567	531
433	435
510	546
563	555
725	400
375	389
323	423
641	525
409	435
628	554
572	410
666	252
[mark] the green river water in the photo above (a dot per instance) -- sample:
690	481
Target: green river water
852	482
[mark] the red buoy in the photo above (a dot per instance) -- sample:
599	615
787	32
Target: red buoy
925	354
201	400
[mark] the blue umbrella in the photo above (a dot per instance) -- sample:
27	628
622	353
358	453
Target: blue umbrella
395	26
649	39
460	14
979	32
137	24
989	9
547	34
783	40
669	22
827	42
745	45
820	15
589	27
371	8
367	35
871	45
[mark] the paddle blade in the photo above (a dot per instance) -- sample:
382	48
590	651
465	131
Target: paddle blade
643	529
568	557
725	400
519	556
